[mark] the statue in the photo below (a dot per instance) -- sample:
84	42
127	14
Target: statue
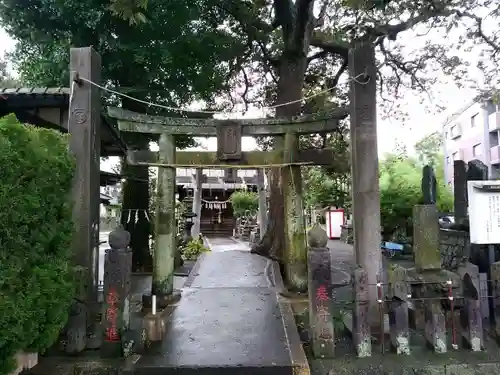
429	185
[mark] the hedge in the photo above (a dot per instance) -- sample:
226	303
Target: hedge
36	172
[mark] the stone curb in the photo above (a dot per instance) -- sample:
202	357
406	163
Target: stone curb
297	354
194	271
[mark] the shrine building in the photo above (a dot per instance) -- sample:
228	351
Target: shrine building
217	185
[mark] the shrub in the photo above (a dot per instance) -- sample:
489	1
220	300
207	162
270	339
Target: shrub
400	190
36	174
244	202
193	250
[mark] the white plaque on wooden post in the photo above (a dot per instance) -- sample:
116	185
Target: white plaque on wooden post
484	212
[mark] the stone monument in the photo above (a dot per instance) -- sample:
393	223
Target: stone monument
117	279
320	294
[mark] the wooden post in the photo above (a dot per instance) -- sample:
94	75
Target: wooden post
195	231
399	289
435	326
295	223
495	282
365	168
470	315
460	190
165	246
361	330
84	129
262	201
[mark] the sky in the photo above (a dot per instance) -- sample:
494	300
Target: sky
391	131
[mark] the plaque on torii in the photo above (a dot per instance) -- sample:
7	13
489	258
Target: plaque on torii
229	141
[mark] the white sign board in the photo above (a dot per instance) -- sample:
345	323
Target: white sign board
484	211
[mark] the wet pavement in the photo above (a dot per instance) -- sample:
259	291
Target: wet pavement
226	244
241	270
227	322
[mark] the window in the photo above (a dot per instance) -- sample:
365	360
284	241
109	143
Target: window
455	131
455	155
473	120
494	138
477	150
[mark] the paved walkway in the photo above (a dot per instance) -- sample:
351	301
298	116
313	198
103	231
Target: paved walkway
228	320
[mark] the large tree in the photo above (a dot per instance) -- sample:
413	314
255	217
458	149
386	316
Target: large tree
173	59
278	50
299	47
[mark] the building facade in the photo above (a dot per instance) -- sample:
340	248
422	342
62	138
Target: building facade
473	133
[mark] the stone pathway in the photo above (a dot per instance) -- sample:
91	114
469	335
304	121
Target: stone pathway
228	320
226	244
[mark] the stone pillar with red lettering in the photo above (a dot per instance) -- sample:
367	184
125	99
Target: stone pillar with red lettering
116	304
320	294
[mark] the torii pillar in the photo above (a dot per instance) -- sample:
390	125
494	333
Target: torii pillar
364	164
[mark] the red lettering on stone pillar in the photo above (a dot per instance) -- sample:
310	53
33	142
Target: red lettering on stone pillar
111	313
322	294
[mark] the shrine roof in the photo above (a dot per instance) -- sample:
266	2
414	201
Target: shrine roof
23	100
35	97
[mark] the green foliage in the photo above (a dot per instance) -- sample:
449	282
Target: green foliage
328	186
429	149
193	250
400	190
244	202
176	63
6	79
323	190
35	276
129	10
400	180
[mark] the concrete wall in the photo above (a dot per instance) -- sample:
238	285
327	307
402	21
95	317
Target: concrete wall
454	246
483	130
471	135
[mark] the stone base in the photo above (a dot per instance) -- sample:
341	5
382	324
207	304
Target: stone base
412	365
375	326
162	301
154	327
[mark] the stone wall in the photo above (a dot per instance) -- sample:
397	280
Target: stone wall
454	248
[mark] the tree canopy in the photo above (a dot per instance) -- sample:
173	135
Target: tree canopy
174	58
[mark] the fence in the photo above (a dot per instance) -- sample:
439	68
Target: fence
442	310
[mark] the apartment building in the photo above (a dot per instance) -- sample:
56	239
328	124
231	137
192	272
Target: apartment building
473	133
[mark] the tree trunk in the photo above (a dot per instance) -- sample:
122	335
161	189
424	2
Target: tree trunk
136	199
273	244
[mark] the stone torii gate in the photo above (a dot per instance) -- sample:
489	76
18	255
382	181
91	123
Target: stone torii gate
229	155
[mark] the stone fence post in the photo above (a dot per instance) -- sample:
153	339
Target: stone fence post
117	279
320	294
